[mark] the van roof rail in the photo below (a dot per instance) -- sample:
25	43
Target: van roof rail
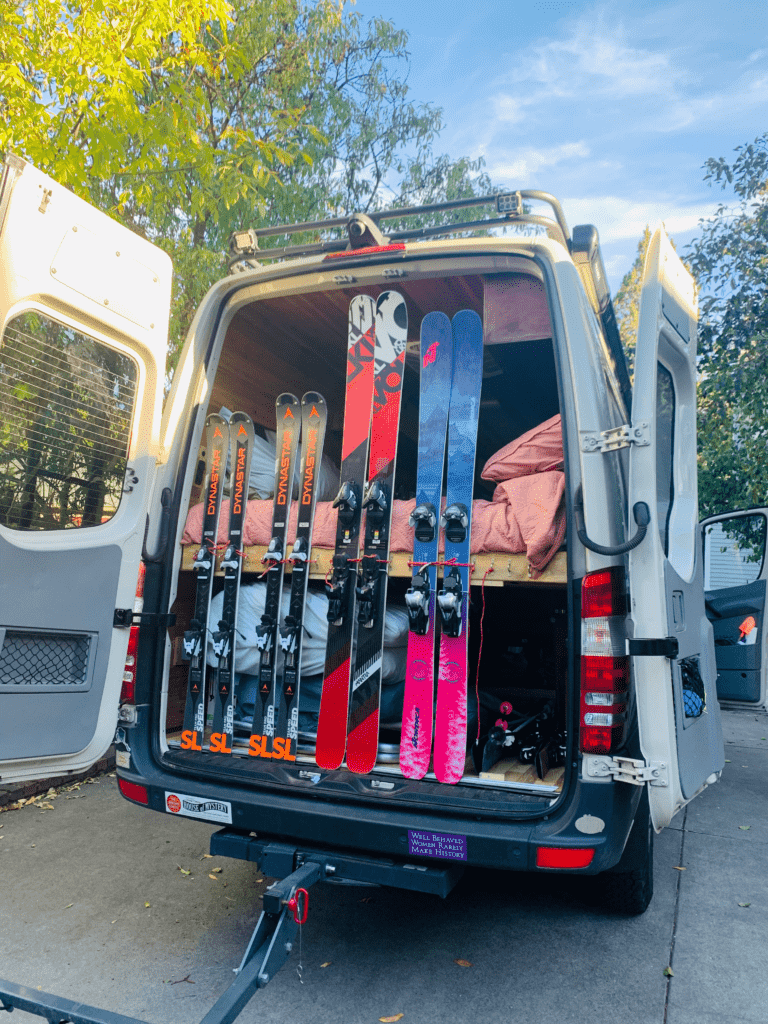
363	229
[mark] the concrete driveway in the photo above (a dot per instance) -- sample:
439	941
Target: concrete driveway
109	904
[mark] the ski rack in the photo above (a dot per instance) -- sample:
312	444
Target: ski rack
272	940
363	229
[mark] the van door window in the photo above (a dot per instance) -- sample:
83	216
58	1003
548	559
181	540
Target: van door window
66	406
734	551
665	423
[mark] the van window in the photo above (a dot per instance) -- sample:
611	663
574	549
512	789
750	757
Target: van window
734	551
665	424
66	405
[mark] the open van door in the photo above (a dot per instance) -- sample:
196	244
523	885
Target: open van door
735	574
84	307
673	654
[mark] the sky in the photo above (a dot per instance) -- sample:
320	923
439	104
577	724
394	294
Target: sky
611	107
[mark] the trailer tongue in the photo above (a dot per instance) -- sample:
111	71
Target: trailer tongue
285	908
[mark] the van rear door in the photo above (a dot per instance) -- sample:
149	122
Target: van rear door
735	573
673	661
84	308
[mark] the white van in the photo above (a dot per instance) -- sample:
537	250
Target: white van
610	629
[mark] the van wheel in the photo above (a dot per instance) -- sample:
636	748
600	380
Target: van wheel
628	888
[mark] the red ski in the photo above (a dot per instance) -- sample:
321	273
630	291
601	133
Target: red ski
334	701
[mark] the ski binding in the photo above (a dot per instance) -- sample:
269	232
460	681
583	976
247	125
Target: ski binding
449	602
424	520
455	521
417	602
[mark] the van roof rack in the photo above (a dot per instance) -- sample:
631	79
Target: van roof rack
363	229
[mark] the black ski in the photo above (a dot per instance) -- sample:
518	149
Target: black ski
314	416
223	640
216	448
286	444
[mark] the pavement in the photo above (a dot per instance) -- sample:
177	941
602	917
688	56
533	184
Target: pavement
118	907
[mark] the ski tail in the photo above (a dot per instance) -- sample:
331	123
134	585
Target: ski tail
453	598
223	639
314	416
334	701
195	638
389	357
434	400
288	428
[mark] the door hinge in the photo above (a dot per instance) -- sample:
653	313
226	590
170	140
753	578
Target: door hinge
666	647
125	617
617	437
626	769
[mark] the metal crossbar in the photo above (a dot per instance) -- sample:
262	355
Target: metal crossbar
509	209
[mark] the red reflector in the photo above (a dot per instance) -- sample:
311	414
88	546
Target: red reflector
563	857
603	593
133	791
369	250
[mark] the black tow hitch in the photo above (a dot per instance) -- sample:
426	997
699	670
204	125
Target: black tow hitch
285	906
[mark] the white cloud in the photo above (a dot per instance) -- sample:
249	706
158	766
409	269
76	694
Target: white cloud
528	162
594	55
618	219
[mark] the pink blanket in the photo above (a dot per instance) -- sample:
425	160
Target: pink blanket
525	516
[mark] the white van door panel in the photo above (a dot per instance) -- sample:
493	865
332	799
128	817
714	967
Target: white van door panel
735	574
84	307
678	713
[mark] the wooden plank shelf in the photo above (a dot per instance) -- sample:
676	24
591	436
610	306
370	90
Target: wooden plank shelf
507	568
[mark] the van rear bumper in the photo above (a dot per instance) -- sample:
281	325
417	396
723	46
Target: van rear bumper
606	808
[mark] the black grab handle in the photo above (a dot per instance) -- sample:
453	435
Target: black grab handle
640	511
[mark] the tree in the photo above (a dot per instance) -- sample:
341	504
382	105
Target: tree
627	302
188	119
730	260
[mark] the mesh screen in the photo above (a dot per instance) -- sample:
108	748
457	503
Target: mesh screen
66	405
42	662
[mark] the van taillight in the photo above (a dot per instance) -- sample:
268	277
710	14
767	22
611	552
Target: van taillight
604	662
128	691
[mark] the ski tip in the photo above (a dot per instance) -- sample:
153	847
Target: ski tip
287	400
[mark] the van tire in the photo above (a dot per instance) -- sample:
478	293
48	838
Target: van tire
627	889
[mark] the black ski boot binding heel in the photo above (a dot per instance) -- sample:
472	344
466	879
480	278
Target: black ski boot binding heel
417	602
455	521
375	504
424	520
449	603
274	553
264	633
368	590
347	501
289	635
220	641
192	645
338	588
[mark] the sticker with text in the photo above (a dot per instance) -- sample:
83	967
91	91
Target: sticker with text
436	844
197	807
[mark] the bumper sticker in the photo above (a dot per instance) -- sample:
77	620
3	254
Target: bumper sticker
196	807
436	844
